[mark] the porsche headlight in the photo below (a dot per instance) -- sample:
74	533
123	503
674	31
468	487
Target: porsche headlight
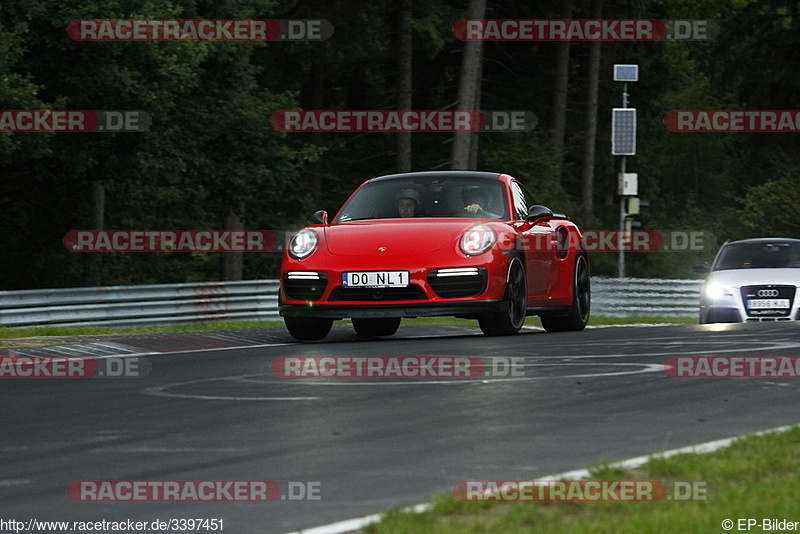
303	244
477	240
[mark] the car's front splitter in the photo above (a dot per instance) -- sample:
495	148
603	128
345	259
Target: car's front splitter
436	309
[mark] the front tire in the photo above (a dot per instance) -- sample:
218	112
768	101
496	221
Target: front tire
376	327
510	319
578	314
308	328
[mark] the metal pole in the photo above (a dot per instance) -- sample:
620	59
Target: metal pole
621	262
621	272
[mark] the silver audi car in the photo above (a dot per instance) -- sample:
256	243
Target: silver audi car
752	280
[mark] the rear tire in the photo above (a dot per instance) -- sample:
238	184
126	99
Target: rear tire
578	314
510	319
376	327
308	328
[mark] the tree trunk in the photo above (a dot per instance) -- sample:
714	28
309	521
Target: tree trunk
97	195
233	262
473	144
560	98
317	102
591	120
468	89
404	73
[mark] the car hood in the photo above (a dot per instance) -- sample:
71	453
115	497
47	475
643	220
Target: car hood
398	236
748	277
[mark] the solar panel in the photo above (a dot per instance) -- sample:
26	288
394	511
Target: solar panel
623	132
626	73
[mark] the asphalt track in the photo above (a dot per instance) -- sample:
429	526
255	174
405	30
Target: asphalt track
205	413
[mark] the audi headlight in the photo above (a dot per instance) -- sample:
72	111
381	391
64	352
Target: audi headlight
303	244
477	240
716	291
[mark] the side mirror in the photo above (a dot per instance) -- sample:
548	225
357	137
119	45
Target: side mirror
701	268
537	212
321	217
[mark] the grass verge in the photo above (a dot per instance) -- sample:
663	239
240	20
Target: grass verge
601	320
7	333
68	331
758	477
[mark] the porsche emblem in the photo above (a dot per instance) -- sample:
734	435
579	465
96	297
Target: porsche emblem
381	249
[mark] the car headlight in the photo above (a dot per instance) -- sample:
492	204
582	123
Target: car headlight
717	291
303	244
477	240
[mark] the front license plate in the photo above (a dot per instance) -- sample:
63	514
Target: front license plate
765	304
375	279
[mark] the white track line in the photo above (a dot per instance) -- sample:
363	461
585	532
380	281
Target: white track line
351	525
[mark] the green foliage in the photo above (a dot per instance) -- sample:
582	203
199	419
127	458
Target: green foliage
773	208
211	150
529	157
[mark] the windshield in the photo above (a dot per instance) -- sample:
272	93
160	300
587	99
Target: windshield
759	255
426	197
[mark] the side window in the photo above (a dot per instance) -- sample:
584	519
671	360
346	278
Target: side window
522	200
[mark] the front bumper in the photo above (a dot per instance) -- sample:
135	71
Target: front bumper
434	309
733	308
439	284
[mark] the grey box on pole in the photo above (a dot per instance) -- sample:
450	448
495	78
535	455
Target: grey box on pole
628	184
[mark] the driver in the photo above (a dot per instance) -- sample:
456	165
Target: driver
476	203
793	260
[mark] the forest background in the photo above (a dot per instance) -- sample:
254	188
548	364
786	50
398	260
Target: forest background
211	159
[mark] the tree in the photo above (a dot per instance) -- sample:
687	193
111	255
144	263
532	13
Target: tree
404	79
590	139
468	89
561	90
210	151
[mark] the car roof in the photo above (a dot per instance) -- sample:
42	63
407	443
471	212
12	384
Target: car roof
763	240
472	175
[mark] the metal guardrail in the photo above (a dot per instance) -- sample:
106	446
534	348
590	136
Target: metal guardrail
253	300
624	297
141	305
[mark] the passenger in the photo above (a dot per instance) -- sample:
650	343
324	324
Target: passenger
407	202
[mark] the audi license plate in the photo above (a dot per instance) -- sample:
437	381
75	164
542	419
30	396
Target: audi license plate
767	304
375	279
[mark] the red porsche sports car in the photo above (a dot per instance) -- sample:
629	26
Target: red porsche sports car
459	243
